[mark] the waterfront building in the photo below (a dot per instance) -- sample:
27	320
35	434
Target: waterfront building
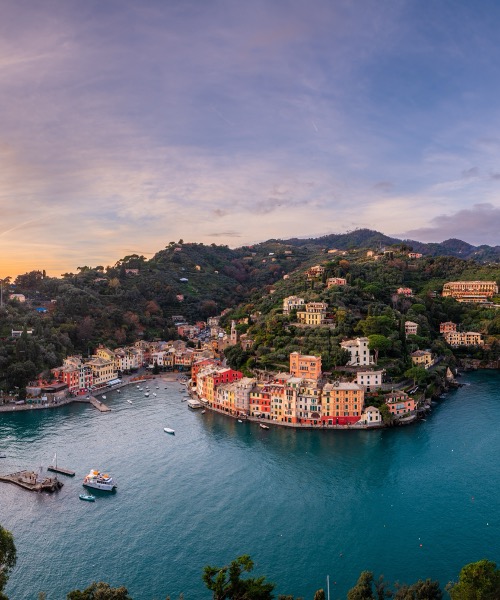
342	403
447	326
470	291
292	303
243	387
358	349
369	380
315	313
260	402
371	416
399	403
466	338
102	370
201	364
70	375
411	328
306	366
421	358
308	403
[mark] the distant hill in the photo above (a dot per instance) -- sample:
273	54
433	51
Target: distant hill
367	238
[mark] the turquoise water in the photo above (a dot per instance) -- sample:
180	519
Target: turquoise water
415	502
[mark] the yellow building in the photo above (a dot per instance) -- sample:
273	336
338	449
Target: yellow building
466	338
102	371
470	291
314	313
421	357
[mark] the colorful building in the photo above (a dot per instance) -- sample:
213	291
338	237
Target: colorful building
358	349
470	291
305	366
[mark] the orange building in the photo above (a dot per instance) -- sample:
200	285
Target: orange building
447	326
306	366
342	403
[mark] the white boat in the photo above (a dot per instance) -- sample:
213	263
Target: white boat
138	387
118	391
129	401
240	421
103	397
203	411
168	430
147	394
262	426
99	481
154	393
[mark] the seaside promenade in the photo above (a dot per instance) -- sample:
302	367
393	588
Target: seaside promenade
12	406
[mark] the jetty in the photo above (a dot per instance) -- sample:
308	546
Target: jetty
99	405
61	470
33	481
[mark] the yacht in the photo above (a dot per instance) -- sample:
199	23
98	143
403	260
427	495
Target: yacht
99	481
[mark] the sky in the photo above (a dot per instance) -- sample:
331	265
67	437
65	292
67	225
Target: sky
127	124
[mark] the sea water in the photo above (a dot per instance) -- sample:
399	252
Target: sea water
413	502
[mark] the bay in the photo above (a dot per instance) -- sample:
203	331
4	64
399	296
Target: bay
413	502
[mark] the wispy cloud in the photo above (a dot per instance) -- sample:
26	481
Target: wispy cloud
150	121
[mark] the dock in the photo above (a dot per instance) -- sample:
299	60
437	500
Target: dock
61	470
99	405
32	481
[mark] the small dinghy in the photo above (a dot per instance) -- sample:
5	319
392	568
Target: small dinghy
87	497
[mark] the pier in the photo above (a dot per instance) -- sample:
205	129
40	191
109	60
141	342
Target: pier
32	481
99	405
61	470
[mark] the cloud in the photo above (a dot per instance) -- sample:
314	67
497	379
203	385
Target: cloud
472	172
477	225
231	234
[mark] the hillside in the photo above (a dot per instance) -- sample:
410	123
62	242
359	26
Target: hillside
136	298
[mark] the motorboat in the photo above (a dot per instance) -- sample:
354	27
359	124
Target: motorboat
129	401
99	481
146	394
169	430
262	426
103	397
87	497
154	393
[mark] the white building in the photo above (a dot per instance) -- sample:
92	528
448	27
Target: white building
358	349
370	380
292	303
411	328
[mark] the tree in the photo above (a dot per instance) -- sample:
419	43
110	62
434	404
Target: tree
477	581
363	590
8	558
226	582
421	590
319	595
379	343
100	591
418	374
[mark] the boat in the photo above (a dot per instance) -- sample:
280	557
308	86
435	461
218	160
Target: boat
168	430
154	393
3	456
99	481
138	386
103	397
87	497
262	426
203	411
129	401
240	421
118	391
147	394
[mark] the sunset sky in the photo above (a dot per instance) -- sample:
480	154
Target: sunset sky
127	124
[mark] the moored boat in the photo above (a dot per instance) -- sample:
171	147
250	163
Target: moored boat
87	497
99	481
169	430
262	426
